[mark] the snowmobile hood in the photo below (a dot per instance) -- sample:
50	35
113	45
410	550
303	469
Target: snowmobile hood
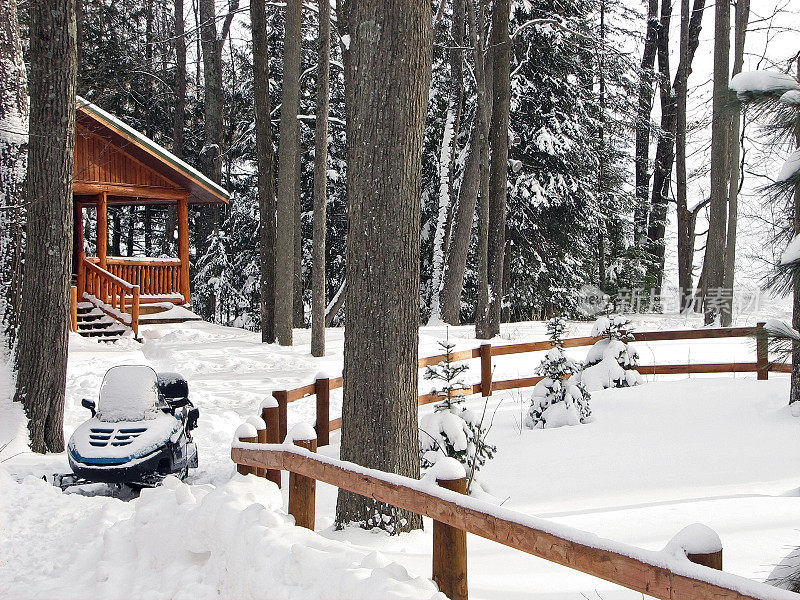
102	443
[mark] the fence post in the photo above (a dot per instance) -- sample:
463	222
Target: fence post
762	352
261	438
450	550
246	433
486	369
282	396
269	412
302	490
701	544
322	388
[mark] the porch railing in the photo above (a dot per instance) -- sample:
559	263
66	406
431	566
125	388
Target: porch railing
154	276
116	297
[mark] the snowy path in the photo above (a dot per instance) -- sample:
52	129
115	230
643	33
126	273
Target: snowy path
721	451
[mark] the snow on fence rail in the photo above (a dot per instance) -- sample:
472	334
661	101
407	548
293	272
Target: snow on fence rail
684	569
322	386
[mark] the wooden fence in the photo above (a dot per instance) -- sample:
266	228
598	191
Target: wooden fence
455	515
321	388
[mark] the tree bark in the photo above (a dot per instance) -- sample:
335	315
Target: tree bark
477	27
645	107
179	119
742	16
387	80
41	359
13	159
500	43
210	155
794	390
266	172
287	173
720	169
318	302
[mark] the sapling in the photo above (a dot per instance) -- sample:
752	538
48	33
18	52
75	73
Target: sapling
557	399
452	429
611	362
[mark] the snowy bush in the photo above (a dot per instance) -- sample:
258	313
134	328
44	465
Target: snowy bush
557	400
611	362
452	430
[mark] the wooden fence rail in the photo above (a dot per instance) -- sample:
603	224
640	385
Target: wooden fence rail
652	573
111	291
322	387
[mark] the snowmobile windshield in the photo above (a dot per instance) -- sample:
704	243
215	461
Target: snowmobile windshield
128	393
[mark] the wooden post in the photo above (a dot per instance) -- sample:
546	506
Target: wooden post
102	229
322	388
135	311
183	247
246	433
762	352
450	551
261	438
81	275
269	412
283	400
73	308
486	369
708	559
302	491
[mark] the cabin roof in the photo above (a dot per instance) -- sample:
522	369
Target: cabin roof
201	189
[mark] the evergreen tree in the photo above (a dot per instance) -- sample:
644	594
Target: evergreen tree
452	429
558	400
611	362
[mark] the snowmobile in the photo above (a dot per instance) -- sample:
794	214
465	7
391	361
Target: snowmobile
139	433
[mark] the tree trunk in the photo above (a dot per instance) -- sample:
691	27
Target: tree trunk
458	249
287	173
742	17
298	308
266	173
662	171
477	38
794	391
13	158
318	303
689	40
714	261
387	80
41	359
179	119
500	43
645	107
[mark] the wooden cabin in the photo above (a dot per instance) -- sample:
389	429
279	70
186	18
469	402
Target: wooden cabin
117	165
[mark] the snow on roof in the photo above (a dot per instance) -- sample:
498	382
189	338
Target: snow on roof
762	82
160	151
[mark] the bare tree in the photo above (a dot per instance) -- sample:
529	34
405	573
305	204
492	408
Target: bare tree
500	43
645	107
387	78
288	155
477	27
742	16
714	261
13	155
689	38
318	304
266	168
41	358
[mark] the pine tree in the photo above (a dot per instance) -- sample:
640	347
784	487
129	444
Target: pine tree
611	362
558	400
452	429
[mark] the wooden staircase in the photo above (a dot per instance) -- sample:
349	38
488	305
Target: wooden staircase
97	325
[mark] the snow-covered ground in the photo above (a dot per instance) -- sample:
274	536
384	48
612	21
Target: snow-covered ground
717	450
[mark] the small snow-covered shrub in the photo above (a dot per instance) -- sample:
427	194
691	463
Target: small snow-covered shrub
556	399
611	362
452	430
